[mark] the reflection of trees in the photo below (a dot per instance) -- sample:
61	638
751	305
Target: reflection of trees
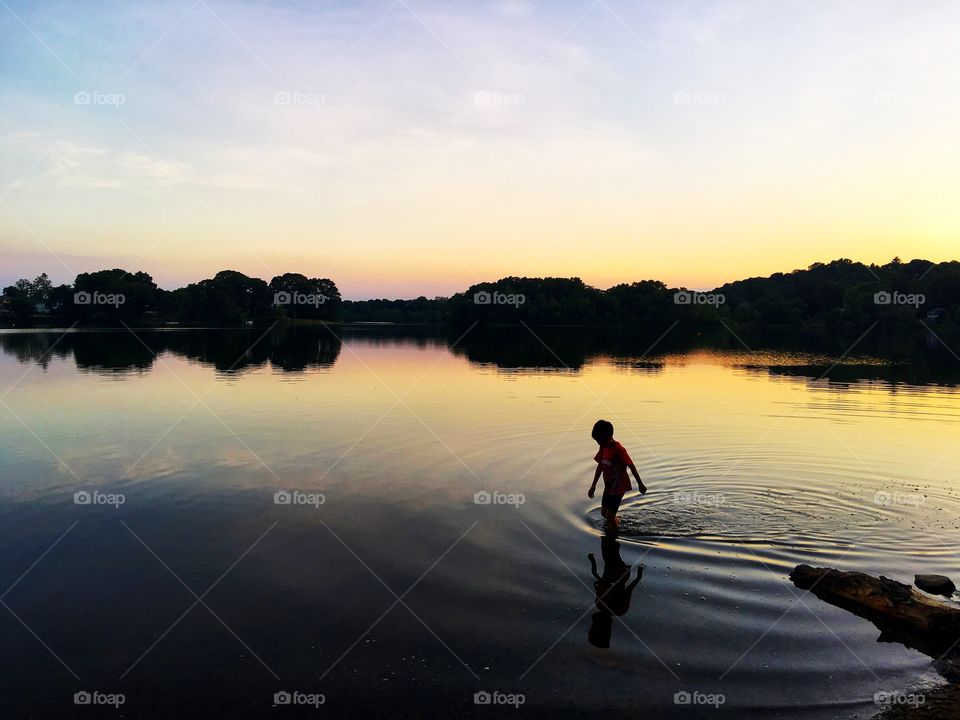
916	358
109	352
291	349
228	351
29	347
559	348
907	357
420	336
517	348
937	370
296	348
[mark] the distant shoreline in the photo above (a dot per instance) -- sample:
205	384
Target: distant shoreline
838	294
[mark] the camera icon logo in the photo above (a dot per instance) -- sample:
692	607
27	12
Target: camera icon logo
682	698
482	298
282	298
82	98
482	698
82	698
683	298
82	497
282	497
282	698
82	298
282	98
882	298
482	498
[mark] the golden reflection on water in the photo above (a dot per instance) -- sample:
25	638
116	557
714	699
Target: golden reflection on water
432	416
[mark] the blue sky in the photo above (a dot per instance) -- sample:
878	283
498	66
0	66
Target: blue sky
415	147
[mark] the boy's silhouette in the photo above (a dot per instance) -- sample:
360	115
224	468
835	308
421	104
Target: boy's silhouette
613	592
613	461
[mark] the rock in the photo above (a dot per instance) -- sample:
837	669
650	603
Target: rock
936	584
902	614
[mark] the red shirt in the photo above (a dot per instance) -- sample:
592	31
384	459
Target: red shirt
613	459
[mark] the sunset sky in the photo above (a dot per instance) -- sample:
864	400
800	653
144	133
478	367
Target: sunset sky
416	147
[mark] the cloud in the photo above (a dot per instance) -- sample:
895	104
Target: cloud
514	7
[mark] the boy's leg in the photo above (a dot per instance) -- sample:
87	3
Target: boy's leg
612	503
609	506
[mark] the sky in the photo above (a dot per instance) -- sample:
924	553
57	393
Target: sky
414	147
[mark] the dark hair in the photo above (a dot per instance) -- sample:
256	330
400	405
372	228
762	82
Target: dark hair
602	430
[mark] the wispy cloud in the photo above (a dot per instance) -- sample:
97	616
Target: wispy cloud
681	137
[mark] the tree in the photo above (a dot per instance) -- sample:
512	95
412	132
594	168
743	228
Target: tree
114	296
28	298
297	296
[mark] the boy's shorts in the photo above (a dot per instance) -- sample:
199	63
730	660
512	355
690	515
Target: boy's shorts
611	502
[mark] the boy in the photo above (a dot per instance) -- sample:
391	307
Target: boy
612	460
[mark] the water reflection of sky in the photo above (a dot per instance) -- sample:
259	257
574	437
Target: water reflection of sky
752	469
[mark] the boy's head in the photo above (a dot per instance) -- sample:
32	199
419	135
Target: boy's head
602	432
601	629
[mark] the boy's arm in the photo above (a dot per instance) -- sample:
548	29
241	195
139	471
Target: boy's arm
640	485
593	487
593	566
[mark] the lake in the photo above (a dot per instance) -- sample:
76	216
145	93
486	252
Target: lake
395	523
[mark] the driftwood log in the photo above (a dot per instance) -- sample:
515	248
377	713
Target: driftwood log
902	614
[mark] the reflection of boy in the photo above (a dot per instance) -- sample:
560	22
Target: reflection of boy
613	592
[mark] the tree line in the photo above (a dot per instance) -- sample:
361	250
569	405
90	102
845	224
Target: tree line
229	298
842	292
835	293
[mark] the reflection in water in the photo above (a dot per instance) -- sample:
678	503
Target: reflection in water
914	357
750	472
613	590
905	358
290	348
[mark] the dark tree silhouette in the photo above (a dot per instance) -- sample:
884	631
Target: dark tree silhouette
841	293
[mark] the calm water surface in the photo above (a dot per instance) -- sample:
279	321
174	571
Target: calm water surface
400	594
